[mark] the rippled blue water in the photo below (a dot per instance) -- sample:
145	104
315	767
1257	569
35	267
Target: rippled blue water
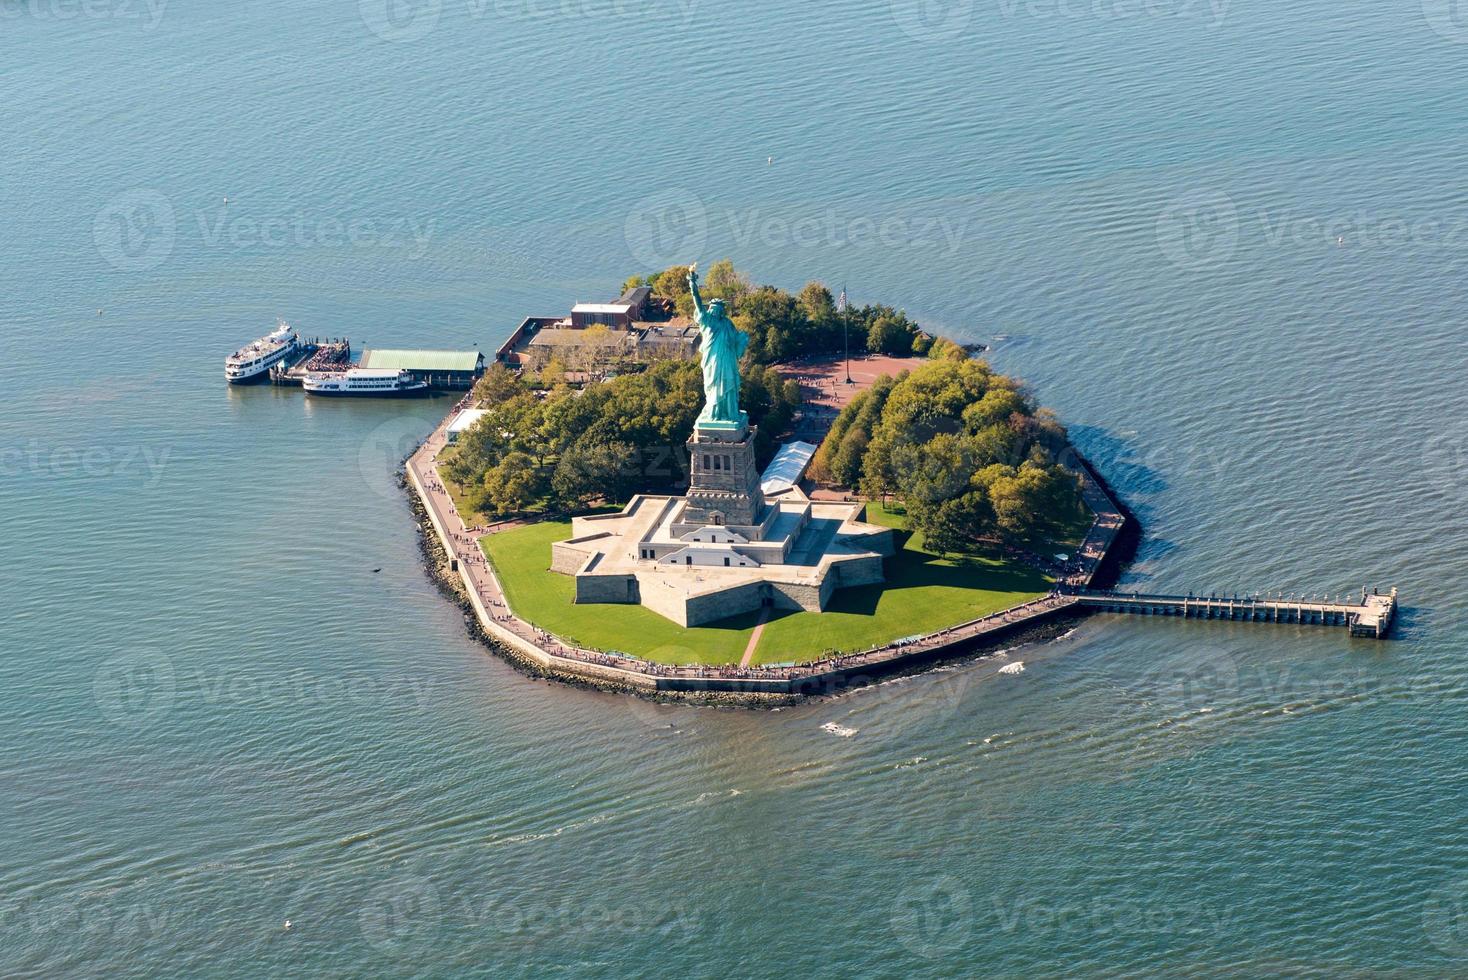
1225	241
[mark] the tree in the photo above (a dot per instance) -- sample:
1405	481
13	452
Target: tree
888	335
774	323
498	383
592	470
816	302
953	525
722	281
512	485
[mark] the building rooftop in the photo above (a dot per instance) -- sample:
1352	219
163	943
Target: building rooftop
570	337
618	308
788	466
636	296
422	360
466	419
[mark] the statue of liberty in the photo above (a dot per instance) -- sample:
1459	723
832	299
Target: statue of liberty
722	346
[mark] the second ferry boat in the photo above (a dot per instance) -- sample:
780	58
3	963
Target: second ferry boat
253	361
364	381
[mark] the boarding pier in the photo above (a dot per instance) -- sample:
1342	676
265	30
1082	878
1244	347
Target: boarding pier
314	356
1371	617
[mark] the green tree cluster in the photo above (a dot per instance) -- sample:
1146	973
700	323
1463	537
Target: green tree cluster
782	326
565	448
963	447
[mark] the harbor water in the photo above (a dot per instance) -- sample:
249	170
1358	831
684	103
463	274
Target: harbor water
242	732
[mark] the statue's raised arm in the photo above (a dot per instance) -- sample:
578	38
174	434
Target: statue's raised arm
693	288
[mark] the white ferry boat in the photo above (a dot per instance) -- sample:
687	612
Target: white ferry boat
255	360
384	383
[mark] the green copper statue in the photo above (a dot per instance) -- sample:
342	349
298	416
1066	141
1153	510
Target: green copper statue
723	344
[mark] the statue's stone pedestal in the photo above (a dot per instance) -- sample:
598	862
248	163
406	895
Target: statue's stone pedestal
723	488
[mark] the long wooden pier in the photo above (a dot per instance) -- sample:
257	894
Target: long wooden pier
1371	617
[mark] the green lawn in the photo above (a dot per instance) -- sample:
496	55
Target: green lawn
521	559
922	593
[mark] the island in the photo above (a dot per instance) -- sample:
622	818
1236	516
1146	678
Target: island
747	521
805	497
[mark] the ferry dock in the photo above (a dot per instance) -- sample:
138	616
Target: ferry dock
314	356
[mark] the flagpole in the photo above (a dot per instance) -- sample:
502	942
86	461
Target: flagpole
846	332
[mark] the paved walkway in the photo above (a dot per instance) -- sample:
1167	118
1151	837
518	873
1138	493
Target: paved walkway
759	631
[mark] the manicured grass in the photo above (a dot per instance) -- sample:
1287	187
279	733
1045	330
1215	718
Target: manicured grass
922	593
521	559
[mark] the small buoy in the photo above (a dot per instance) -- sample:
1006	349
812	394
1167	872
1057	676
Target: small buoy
770	161
287	925
99	312
1341	240
226	200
